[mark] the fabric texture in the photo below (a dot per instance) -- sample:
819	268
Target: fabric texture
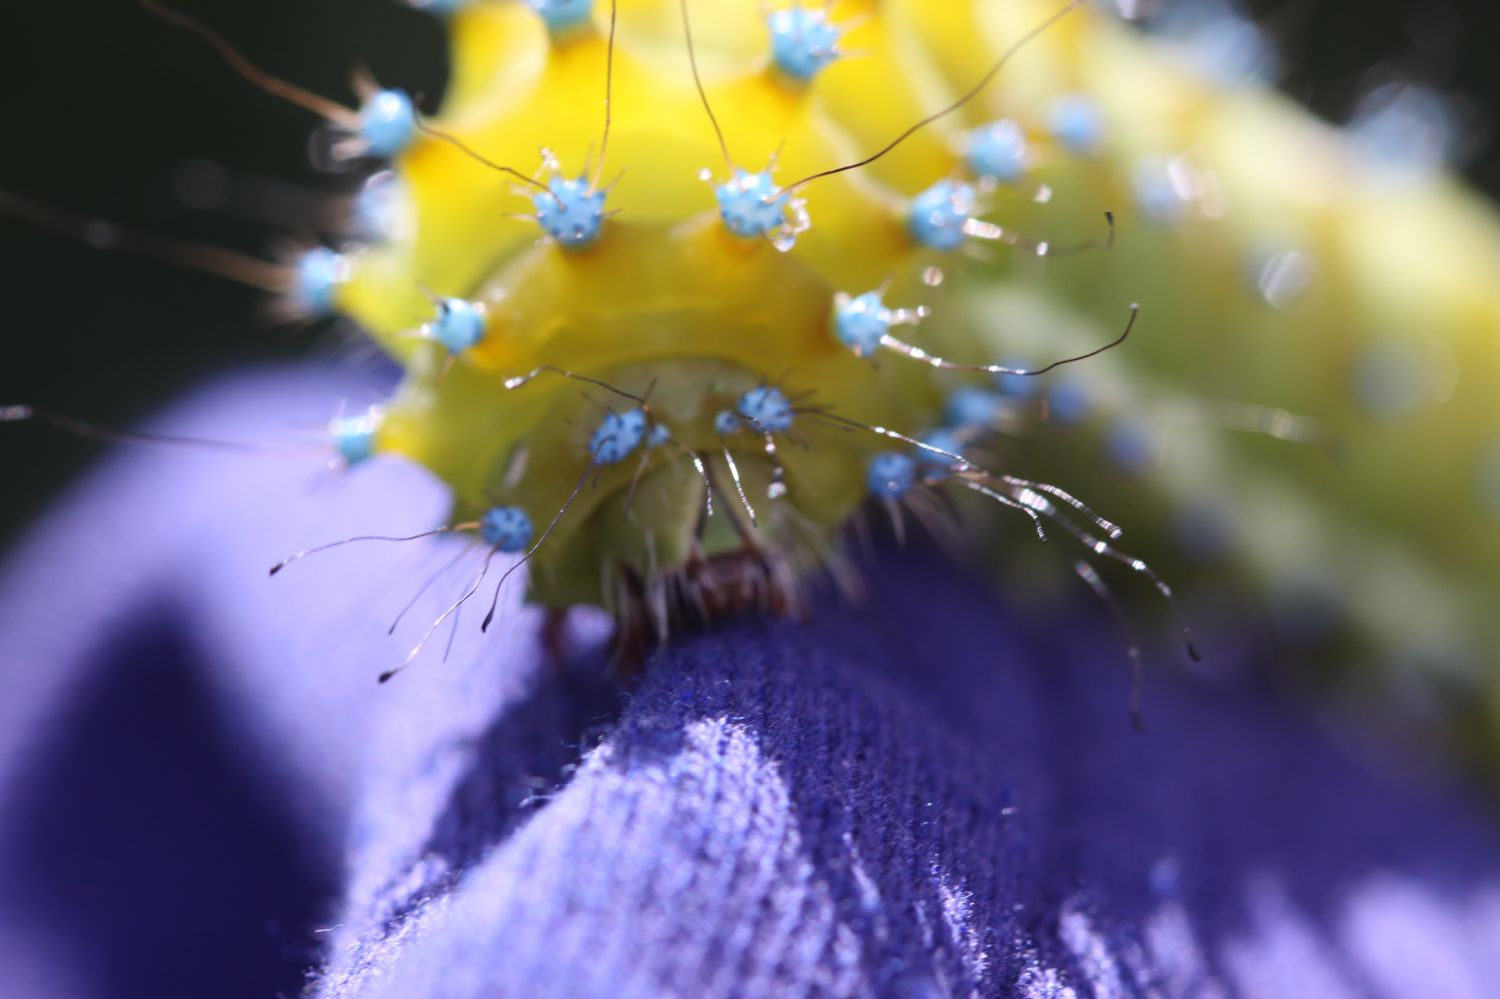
205	793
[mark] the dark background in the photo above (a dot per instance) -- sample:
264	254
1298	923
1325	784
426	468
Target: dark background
109	112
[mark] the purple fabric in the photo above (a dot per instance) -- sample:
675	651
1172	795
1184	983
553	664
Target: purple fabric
204	792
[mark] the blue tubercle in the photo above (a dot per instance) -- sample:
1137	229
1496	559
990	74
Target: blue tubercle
1016	386
972	407
803	42
460	324
506	528
1218	41
861	321
1068	403
387	123
617	435
936	217
767	409
943	440
319	273
727	422
572	214
1075	121
354	438
658	435
751	204
563	15
997	151
379	205
891	475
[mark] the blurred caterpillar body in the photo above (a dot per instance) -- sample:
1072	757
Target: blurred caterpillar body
605	341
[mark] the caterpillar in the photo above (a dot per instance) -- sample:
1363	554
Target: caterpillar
680	288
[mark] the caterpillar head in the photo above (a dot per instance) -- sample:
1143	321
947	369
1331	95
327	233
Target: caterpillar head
664	261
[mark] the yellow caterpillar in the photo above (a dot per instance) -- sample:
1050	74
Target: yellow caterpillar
668	282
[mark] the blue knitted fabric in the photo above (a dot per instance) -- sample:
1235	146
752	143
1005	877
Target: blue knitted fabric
205	794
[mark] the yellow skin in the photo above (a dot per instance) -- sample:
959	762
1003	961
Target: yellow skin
1399	527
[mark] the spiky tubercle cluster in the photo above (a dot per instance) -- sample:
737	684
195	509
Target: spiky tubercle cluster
701	288
1276	264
